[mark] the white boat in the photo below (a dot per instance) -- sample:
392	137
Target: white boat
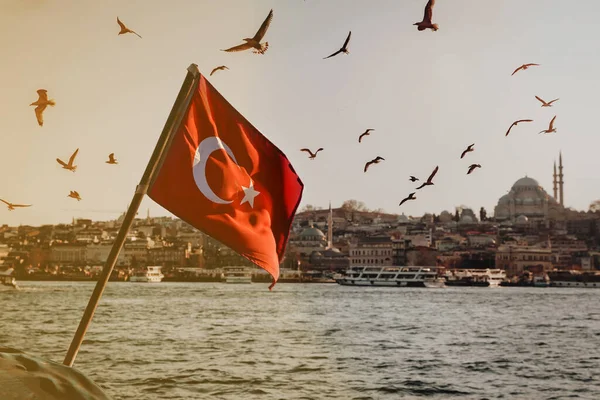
151	274
392	276
237	275
475	277
7	278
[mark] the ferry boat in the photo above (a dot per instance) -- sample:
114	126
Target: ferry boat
575	279
7	278
392	276
237	275
475	277
151	274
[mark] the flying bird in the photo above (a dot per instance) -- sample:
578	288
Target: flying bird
523	67
12	206
544	104
125	29
426	23
430	179
472	168
551	127
254	42
73	194
344	48
111	159
366	133
312	155
467	150
42	102
69	165
376	160
221	68
410	197
515	123
413	179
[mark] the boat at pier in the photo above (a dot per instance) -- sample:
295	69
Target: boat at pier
151	274
392	276
475	277
237	275
7	278
576	279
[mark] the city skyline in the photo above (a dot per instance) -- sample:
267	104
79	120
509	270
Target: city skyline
427	96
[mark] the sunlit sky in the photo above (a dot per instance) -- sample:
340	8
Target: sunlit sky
427	95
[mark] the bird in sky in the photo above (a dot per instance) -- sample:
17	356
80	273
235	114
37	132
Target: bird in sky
42	102
254	42
376	160
69	165
413	179
551	127
467	150
221	68
426	23
430	179
515	124
11	206
125	29
111	159
472	168
344	48
73	194
523	67
312	155
366	133
410	197
544	104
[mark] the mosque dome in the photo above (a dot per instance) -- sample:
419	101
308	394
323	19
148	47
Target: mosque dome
466	219
402	218
522	219
525	182
312	232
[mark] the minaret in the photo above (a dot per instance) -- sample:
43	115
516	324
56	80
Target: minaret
554	182
560	179
330	228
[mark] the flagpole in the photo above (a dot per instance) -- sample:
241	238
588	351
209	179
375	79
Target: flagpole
173	121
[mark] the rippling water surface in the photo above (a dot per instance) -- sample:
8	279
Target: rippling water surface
316	341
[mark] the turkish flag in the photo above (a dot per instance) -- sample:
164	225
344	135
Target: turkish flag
222	176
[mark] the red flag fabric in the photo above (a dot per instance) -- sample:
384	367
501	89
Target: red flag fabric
222	176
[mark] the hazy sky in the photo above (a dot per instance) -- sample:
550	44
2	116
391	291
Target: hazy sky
427	95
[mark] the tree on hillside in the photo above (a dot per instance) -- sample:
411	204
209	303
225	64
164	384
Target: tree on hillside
595	206
482	214
354	205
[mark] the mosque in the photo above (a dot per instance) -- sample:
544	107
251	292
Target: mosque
528	201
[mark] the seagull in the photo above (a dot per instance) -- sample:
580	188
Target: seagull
429	180
70	165
73	194
254	42
344	48
523	67
413	179
515	123
221	68
472	168
366	133
467	150
410	197
312	155
551	127
544	104
12	206
426	23
42	102
111	159
376	160
125	29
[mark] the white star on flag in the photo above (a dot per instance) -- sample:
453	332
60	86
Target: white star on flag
249	194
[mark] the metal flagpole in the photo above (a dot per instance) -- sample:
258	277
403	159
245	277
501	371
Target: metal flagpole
173	121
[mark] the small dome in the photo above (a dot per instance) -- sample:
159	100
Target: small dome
522	219
312	231
466	219
402	218
504	199
526	182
